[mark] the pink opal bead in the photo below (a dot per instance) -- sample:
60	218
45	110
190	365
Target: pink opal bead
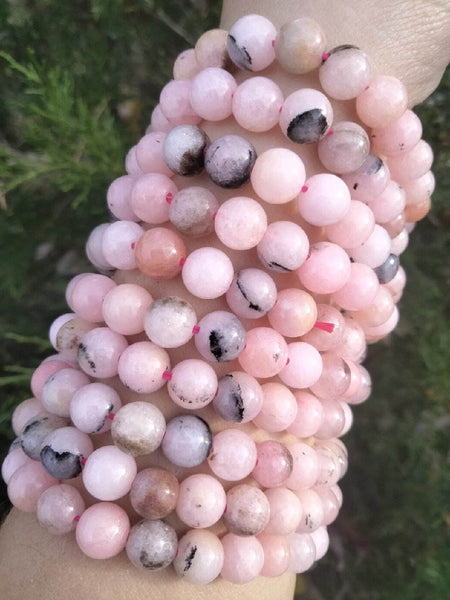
141	367
192	211
124	308
328	330
211	49
302	552
43	372
313	511
57	508
420	189
395	226
63	452
36	430
324	200
305	469
154	493
186	65
221	336
382	102
360	289
354	228
333	418
274	464
175	103
278	175
131	165
375	333
250	42
109	473
306	116
326	270
334	379
149	197
369	180
23	412
71	286
193	384
400	242
353	345
309	415
398	137
199	557
345	73
243	558
294	312
169	322
233	455
138	428
321	541
99	352
91	407
12	462
102	530
378	312
118	198
94	248
285	511
412	164
355	379
119	242
375	250
299	45
348	417
397	283
149	154
159	253
56	326
240	223
188	441
251	294
278	409
304	366
338	493
265	354
207	273
364	390
158	122
284	246
276	554
239	397
344	148
257	103
247	511
68	339
59	389
27	483
330	467
88	294
201	501
212	91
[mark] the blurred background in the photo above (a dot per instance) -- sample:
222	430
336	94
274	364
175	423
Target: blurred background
78	81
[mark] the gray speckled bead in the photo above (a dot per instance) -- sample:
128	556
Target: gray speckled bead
239	397
221	336
192	211
36	430
63	452
14	445
229	161
387	271
169	322
138	428
251	294
247	511
184	149
188	441
152	545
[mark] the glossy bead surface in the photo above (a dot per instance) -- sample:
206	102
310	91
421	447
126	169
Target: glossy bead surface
99	351
12	462
211	49
233	455
138	428
35	431
265	353
239	397
243	558
199	557
369	180
154	493
229	161
375	250
118	244
193	384
159	253
324	200
250	42
302	551
240	223
64	451
221	336
276	554
326	269
354	228
124	308
284	246
94	248
87	296
328	330
169	322
382	102
398	137
212	92
149	197
299	45
256	104
305	467
345	148
359	290
247	511
141	367
109	473
91	406
59	388
278	409
149	154
175	103
57	508
285	511
188	441
102	530
309	415
151	545
251	294
207	273
278	175
184	149
118	198
387	270
201	501
306	116
26	485
345	73
274	464
192	211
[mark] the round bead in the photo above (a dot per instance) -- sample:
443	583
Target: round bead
57	508
345	73
141	367
169	322
233	455
265	353
369	180
274	464
149	197
250	42
239	397
23	412
328	330
207	273
378	312
94	248
240	223
387	271
309	415
64	451
211	49
199	557
87	296
382	102
285	511
221	336
229	161
284	246
278	175
299	46
159	253
192	211
91	407
345	148
149	154
419	189
99	351
353	345
212	92
56	326
306	116
187	442
193	384
257	103
109	473
313	511
364	390
201	501
247	511
184	149
326	270
251	294
334	379
175	103
294	312
158	122
243	558
185	65
276	554
360	289
354	228
44	370
278	409
302	552
68	339
12	462
36	430
131	164
412	164
398	137
154	493
321	541
151	545
102	530
305	467
26	485
118	198
304	366
324	200
124	308
375	250
118	244
138	428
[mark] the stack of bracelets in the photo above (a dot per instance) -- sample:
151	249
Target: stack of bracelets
282	365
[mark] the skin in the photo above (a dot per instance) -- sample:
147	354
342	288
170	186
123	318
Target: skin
410	40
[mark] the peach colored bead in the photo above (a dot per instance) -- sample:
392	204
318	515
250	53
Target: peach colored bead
313	511
278	175
305	468
186	65
286	511
378	312
326	269
360	290
159	122
294	312
265	354
159	253
419	189
412	164
26	485
355	378
333	419
279	408
240	223
390	203
345	73
276	554
149	154
299	45
211	49
382	102
416	212
398	137
309	415
124	308
354	228
243	558
303	552
257	103
304	366
149	196
102	530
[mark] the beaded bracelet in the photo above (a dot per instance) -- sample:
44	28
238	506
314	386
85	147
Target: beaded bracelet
327	285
